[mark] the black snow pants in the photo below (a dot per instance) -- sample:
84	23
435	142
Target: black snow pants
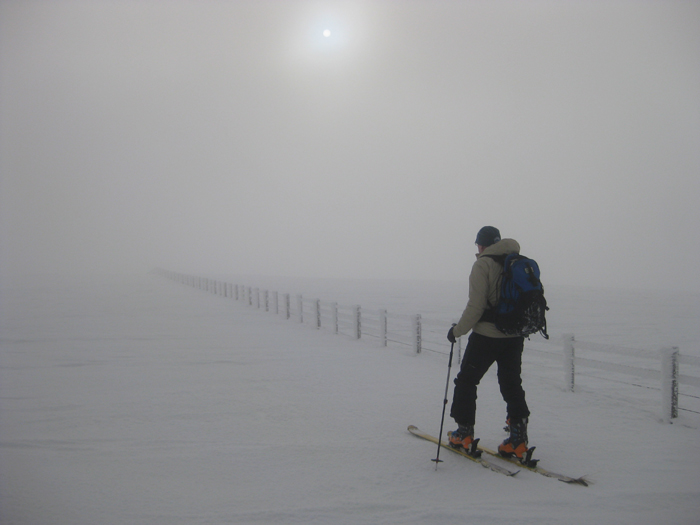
480	354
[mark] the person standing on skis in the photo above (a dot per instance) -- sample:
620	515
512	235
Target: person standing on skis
488	345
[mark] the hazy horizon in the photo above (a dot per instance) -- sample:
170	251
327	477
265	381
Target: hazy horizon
233	137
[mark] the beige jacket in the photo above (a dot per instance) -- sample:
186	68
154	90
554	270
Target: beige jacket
484	286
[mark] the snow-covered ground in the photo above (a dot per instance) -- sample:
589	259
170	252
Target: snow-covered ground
136	400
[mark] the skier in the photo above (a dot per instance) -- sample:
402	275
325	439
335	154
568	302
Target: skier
486	345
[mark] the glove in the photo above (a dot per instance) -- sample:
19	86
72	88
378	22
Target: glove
451	336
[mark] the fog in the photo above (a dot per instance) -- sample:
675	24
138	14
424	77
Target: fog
215	136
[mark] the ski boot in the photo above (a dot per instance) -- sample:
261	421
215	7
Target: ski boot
463	437
516	443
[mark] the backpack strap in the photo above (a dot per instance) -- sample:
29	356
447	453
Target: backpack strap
489	314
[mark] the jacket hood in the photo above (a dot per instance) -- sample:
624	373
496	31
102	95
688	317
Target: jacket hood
502	247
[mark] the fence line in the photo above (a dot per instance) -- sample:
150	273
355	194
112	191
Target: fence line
424	334
661	367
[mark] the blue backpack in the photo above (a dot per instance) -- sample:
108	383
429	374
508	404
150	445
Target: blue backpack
521	304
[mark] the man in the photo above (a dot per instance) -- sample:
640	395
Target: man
488	345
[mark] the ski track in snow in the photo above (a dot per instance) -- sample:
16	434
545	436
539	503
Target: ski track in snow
136	400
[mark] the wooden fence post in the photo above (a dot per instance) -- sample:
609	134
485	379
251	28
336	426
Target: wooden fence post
669	383
382	328
569	361
417	334
358	322
334	315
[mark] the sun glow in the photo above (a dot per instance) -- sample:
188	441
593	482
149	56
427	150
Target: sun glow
331	37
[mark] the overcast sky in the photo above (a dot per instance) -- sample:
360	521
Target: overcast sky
234	137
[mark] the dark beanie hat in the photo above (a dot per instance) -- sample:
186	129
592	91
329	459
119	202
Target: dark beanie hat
487	236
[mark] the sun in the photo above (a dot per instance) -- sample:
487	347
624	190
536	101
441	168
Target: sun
326	33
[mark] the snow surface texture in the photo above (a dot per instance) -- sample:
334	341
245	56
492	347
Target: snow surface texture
140	401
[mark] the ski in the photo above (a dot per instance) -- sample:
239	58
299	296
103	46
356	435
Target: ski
477	459
531	464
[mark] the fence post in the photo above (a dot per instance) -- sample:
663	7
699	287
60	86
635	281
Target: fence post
286	306
358	322
417	334
569	361
334	315
382	328
669	383
267	300
317	306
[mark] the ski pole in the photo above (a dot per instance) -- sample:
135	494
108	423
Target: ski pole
444	405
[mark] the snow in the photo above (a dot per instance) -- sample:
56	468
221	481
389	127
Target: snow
136	400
